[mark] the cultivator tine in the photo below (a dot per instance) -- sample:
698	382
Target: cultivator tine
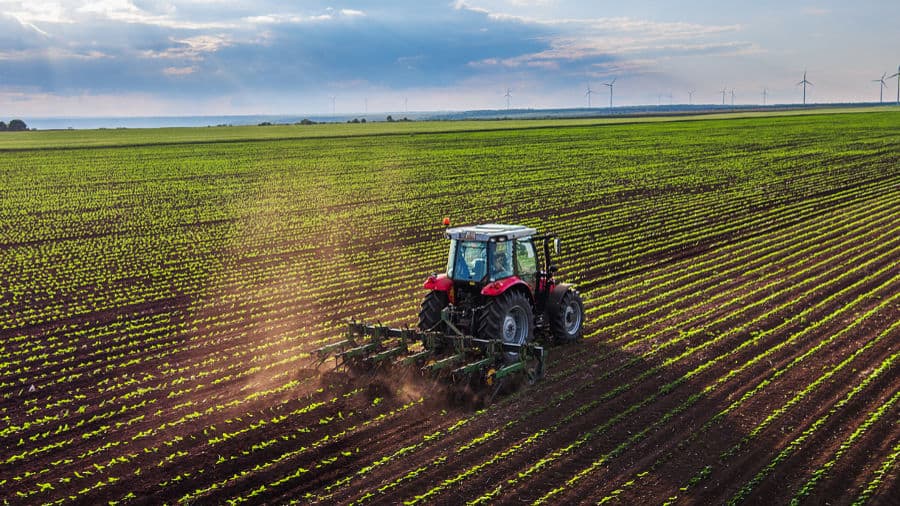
388	354
509	369
359	351
416	358
444	363
327	351
495	388
468	370
538	353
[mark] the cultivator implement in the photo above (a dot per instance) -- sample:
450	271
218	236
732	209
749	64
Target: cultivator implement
455	357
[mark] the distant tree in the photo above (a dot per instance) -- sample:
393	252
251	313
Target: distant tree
306	121
17	125
3	126
390	118
355	120
362	120
266	123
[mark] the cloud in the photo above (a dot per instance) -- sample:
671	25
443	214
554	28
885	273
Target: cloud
296	18
18	35
163	14
51	54
36	12
597	42
179	71
286	18
191	48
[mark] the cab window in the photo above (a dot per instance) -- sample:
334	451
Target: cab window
501	260
467	261
526	261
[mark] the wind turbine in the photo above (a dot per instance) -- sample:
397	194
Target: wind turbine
723	92
732	97
332	104
691	96
804	82
610	85
897	75
508	94
588	94
764	94
881	87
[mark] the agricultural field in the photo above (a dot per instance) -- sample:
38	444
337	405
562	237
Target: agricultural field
160	300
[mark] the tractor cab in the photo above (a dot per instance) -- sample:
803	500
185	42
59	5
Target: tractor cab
488	253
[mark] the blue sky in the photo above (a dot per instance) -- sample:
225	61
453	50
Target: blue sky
184	57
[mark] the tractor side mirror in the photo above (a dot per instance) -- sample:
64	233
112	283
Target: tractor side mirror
553	269
557	244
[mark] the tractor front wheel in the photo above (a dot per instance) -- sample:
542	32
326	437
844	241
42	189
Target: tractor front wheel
508	317
568	322
430	314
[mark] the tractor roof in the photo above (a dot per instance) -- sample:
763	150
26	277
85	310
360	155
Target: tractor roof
490	232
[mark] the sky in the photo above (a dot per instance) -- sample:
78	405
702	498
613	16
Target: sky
214	57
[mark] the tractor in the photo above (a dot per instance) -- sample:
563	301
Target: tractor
484	318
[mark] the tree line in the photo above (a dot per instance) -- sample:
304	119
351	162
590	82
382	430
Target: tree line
15	125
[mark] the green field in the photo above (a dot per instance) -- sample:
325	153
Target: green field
162	291
137	137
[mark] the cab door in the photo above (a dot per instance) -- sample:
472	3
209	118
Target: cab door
526	262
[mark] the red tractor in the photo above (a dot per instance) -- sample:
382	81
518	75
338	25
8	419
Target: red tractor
480	319
496	287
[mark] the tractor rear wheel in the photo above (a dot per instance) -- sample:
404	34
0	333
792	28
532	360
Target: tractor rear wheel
508	317
430	314
567	324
